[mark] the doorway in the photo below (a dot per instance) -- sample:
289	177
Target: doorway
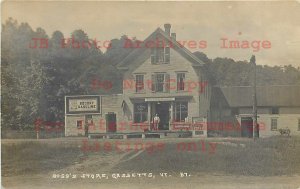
111	122
162	109
88	122
247	127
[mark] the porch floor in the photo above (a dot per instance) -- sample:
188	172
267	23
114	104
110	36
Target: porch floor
148	134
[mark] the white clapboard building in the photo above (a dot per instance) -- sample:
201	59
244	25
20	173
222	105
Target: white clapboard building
161	77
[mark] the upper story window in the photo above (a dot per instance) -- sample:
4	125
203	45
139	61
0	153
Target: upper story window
139	83
273	124
160	82
275	110
180	81
160	55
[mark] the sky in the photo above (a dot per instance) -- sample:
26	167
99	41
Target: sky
277	22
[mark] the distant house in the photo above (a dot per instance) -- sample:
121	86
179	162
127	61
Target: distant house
278	107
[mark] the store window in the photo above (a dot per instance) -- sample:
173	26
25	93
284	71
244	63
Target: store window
140	112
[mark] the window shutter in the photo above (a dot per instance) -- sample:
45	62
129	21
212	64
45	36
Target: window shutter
184	83
135	83
167	55
152	56
167	83
153	83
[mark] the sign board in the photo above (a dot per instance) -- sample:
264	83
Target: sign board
159	99
181	126
83	104
199	123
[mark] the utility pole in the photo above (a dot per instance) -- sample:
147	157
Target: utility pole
255	126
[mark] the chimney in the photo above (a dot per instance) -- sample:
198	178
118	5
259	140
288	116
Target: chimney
173	36
167	29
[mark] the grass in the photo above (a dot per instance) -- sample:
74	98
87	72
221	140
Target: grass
34	157
263	157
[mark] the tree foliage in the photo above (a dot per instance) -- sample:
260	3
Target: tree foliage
228	72
35	80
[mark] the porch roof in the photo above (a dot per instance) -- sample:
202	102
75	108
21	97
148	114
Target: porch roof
160	99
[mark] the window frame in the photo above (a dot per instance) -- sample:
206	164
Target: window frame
137	85
164	53
159	84
177	81
272	124
140	113
181	112
165	84
79	126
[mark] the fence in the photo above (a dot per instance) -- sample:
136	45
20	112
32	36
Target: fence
12	134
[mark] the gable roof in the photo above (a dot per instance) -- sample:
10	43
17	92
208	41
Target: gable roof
275	95
181	49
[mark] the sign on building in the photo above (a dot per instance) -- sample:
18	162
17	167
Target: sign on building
83	104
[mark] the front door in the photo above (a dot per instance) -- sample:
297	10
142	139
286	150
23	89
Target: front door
247	127
162	109
88	122
111	122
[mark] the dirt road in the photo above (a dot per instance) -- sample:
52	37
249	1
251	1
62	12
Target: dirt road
164	164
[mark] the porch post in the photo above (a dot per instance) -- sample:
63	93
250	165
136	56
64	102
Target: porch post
171	112
149	116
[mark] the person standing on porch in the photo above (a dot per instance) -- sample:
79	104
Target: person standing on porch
156	121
